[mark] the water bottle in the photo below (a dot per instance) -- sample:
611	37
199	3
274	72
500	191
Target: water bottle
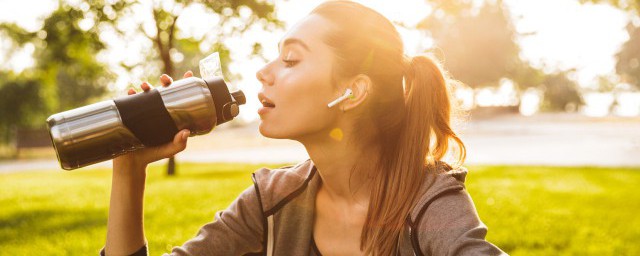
107	129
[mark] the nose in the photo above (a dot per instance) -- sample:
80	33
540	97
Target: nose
264	76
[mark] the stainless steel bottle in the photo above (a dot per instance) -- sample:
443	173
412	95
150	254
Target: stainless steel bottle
107	129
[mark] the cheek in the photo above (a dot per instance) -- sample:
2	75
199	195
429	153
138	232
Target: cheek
308	100
305	88
302	107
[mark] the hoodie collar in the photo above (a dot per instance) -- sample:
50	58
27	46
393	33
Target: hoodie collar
445	179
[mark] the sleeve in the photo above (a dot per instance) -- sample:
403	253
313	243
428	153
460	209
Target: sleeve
141	252
451	226
238	230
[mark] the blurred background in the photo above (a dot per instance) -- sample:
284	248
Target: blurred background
550	112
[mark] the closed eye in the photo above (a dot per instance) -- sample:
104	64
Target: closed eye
290	63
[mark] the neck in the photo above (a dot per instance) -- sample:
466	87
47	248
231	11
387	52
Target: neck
335	157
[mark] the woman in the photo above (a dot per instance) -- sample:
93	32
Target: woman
372	185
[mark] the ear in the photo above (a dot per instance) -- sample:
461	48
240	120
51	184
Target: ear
360	86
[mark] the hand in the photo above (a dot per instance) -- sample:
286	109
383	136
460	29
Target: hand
142	157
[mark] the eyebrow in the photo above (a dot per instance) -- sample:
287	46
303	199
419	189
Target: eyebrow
293	41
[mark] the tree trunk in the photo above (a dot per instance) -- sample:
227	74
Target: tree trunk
171	166
164	49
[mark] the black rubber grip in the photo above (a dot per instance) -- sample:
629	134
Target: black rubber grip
221	97
147	118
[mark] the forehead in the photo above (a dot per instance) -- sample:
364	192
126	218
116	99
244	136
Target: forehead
309	30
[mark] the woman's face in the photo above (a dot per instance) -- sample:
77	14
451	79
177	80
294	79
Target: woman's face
297	85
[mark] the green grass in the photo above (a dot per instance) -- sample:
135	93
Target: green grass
529	210
559	211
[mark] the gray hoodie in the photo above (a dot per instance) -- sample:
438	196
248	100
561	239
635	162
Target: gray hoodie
275	216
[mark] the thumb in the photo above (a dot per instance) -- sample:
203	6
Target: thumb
178	144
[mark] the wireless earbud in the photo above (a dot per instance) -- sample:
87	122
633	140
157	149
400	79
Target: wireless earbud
346	95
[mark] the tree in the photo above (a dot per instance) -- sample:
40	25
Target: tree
560	92
527	76
71	71
479	48
20	105
449	8
628	58
66	63
632	6
165	41
66	74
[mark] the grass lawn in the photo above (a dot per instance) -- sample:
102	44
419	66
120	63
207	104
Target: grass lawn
529	210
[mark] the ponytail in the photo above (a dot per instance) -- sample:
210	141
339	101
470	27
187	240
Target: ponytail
414	159
428	106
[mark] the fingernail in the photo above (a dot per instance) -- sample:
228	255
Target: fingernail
185	134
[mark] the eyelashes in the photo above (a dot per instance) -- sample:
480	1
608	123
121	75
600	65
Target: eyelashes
288	62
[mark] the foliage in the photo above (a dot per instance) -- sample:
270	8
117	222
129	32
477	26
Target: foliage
628	65
560	91
20	105
526	76
70	74
165	17
235	17
628	5
67	73
479	48
450	7
529	210
628	58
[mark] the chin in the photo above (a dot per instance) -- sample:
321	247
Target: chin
279	132
271	132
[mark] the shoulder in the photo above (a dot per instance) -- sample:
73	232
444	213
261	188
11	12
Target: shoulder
445	220
441	179
442	184
274	186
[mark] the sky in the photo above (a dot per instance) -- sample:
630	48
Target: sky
561	34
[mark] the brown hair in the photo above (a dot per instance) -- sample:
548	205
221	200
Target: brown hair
408	105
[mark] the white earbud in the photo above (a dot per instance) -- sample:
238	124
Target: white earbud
346	95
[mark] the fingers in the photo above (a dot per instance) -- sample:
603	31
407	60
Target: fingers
146	86
165	80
